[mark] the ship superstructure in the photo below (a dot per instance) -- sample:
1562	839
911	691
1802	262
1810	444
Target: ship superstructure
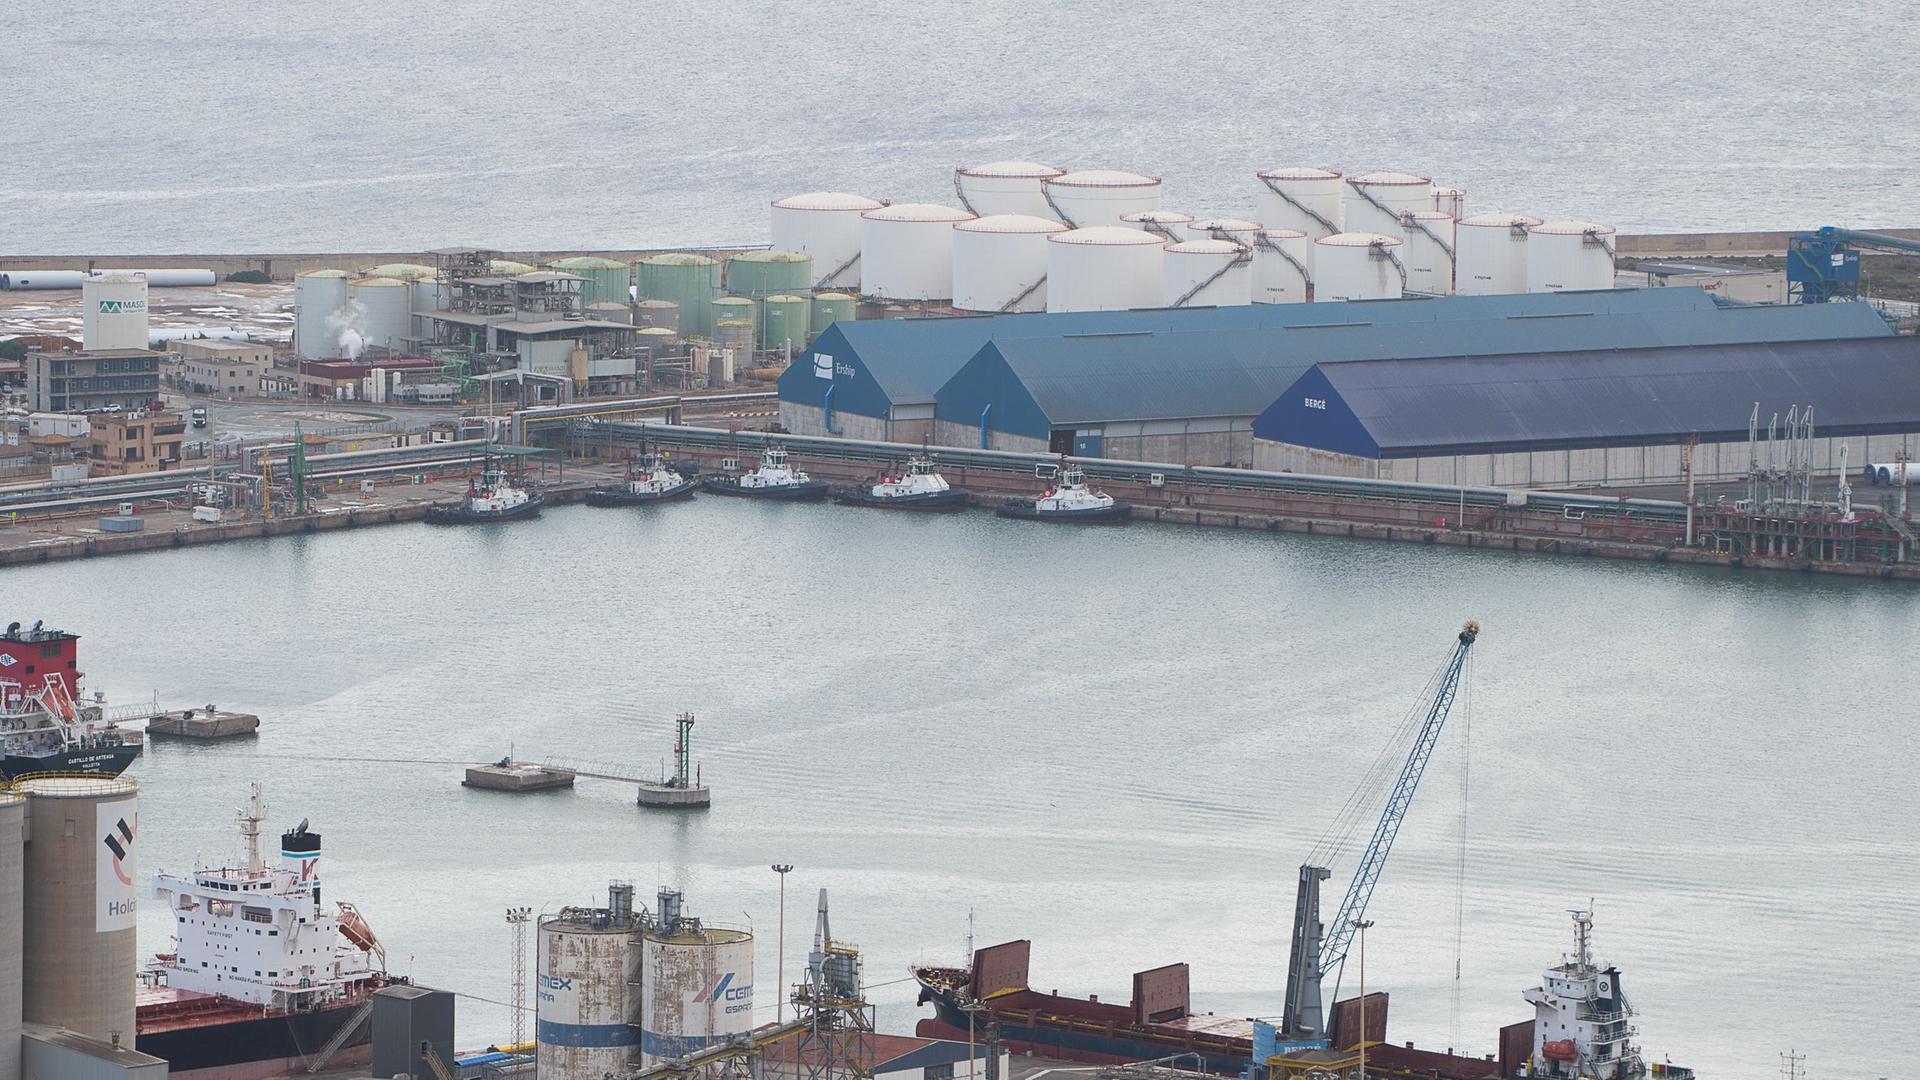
1582	1021
45	725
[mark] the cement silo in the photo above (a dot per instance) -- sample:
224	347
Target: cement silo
1451	201
382	310
1300	197
319	296
690	280
906	251
1490	253
1282	267
1429	252
1005	187
1565	255
113	311
833	307
699	983
588	994
1104	268
1000	262
657	313
1096	197
1358	266
785	319
1208	273
825	225
761	274
1171	224
603	281
13	823
1373	202
81	903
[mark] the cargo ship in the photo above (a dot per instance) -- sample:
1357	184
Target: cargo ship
44	724
265	977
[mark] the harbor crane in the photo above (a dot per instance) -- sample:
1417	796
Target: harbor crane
1315	953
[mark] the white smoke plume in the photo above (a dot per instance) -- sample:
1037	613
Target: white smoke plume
346	325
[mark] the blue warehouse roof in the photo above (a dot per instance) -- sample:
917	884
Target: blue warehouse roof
1538	401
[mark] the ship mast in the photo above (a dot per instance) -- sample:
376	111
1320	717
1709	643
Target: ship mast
251	816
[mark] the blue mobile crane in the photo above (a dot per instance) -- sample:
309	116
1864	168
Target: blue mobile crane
1824	265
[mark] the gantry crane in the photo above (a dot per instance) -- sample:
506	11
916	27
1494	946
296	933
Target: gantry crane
1315	953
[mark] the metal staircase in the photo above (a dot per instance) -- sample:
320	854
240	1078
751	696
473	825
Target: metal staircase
341	1036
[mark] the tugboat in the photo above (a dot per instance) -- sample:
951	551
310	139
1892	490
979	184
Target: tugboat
651	481
43	726
920	488
493	496
774	479
1071	500
304	985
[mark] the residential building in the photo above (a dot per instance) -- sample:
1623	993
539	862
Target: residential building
135	442
86	381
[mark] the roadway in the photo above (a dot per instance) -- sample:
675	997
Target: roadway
247	420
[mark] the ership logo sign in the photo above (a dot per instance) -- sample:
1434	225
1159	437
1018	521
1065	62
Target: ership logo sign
116	903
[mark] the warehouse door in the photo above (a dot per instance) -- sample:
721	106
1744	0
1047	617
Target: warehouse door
1061	441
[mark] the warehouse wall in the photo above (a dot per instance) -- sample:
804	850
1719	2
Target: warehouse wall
810	420
1208	441
951	433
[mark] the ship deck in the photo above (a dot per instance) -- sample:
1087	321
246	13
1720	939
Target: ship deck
169	1008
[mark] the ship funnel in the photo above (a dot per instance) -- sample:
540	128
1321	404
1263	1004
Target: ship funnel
300	854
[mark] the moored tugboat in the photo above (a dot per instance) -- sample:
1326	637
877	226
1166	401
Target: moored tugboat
921	487
1070	500
492	496
44	726
776	478
650	481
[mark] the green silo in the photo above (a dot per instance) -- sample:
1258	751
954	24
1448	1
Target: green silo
690	280
784	318
761	274
832	307
511	268
606	279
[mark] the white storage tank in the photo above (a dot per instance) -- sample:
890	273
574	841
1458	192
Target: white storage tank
429	294
1095	197
1300	197
1104	268
380	312
1000	262
906	251
1357	266
1451	201
1171	224
1564	255
1490	253
1005	187
1227	228
825	225
13	824
1429	252
113	311
1282	267
1207	273
587	991
1374	201
699	983
318	295
81	904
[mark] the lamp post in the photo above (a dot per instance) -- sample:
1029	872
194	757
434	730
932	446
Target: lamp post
1362	927
780	964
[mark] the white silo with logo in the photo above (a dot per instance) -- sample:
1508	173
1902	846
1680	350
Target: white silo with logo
114	311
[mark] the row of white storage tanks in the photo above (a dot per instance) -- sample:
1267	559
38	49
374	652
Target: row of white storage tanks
1034	238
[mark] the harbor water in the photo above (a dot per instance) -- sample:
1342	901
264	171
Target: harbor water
1117	743
328	126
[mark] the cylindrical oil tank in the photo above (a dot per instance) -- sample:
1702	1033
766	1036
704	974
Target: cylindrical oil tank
1282	267
784	319
688	279
699	988
1227	228
1374	201
603	280
1451	201
1357	266
429	294
1208	273
402	271
609	311
1095	197
736	309
660	339
1428	253
13	823
833	307
1490	253
657	313
825	225
1564	255
511	268
1005	187
1171	224
761	274
382	311
735	334
1000	262
1300	197
906	251
1104	268
318	295
587	1008
113	311
81	904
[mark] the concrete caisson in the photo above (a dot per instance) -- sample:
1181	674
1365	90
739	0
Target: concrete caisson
13	824
80	905
1358	266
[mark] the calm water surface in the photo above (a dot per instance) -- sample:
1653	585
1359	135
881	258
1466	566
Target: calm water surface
1117	743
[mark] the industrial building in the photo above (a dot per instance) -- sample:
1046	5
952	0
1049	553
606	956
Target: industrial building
90	380
1617	418
135	442
226	368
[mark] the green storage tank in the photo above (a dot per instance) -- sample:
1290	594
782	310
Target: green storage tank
510	268
735	334
732	309
606	279
687	279
832	307
785	318
403	271
761	274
